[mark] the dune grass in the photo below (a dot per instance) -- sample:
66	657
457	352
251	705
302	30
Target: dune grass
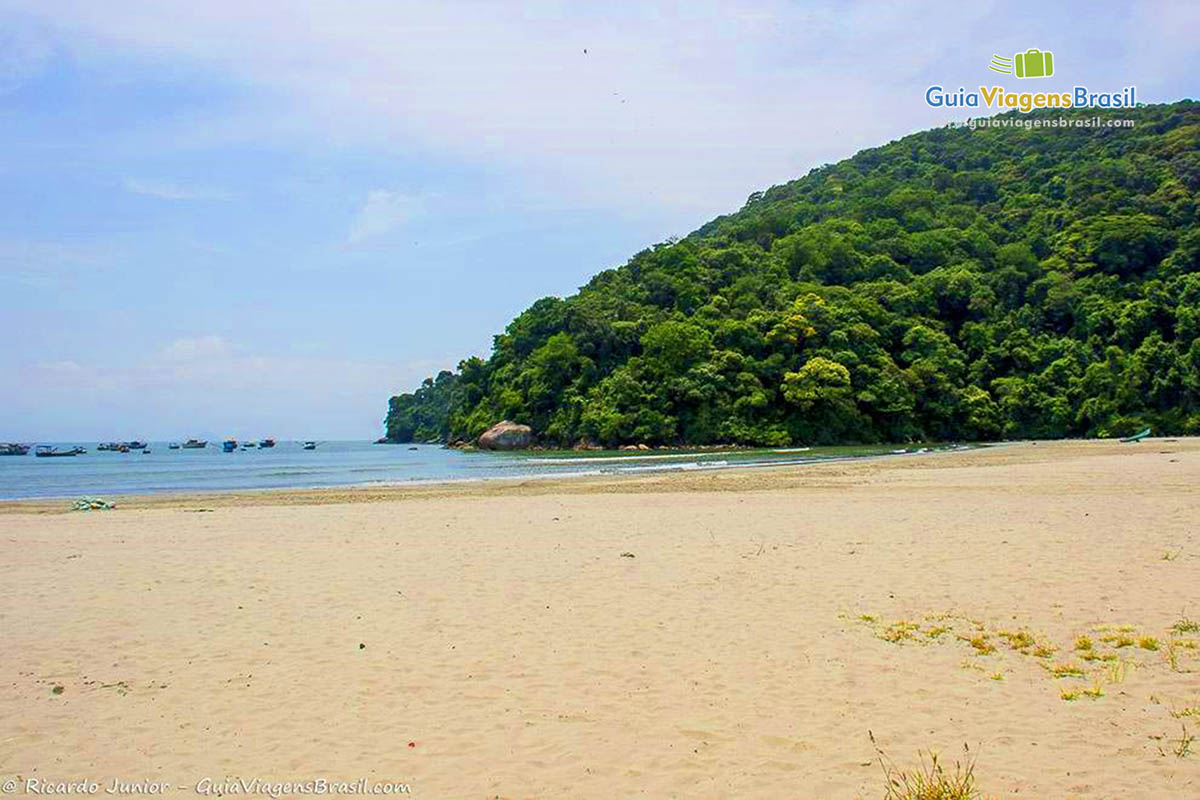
930	779
1103	656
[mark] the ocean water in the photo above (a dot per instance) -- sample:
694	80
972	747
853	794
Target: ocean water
288	465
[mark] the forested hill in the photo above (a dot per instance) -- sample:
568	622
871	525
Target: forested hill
954	284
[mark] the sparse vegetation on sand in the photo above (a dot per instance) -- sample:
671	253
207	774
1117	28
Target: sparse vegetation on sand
1183	747
930	779
1105	654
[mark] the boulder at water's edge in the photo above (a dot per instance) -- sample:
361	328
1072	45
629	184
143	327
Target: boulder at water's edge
505	435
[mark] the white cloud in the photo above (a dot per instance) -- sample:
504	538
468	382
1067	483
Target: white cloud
383	212
209	386
52	264
684	110
686	107
166	190
24	51
196	349
61	367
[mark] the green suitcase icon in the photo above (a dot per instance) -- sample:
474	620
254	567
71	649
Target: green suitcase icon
1033	63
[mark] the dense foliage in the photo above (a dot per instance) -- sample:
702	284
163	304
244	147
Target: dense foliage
954	284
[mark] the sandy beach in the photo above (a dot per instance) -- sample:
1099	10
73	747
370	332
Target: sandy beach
722	635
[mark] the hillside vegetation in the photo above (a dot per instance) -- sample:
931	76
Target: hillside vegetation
954	284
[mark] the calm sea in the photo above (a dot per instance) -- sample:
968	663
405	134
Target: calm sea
288	465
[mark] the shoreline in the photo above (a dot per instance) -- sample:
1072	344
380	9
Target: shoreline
375	491
604	465
729	478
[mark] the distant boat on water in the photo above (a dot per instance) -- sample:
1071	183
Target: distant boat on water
248	445
229	445
173	446
310	445
46	451
10	449
122	447
195	444
266	443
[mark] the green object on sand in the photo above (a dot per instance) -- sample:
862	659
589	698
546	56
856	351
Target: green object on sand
93	504
1137	437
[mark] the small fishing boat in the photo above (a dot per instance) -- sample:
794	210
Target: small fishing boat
11	449
173	446
248	445
46	451
195	444
122	447
266	443
229	445
310	445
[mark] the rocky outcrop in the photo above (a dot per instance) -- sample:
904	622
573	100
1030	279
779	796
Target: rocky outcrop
505	435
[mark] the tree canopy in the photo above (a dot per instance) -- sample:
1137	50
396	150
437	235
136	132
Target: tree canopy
955	284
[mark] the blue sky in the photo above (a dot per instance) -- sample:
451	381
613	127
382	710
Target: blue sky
257	219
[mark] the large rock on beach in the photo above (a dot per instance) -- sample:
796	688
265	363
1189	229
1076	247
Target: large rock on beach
505	435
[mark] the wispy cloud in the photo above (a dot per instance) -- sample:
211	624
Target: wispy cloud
383	212
166	190
690	109
196	349
642	106
24	51
208	384
49	264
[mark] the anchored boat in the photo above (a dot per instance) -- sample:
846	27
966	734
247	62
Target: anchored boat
10	449
46	451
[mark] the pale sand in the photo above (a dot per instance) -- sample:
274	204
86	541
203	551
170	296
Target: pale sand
509	640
